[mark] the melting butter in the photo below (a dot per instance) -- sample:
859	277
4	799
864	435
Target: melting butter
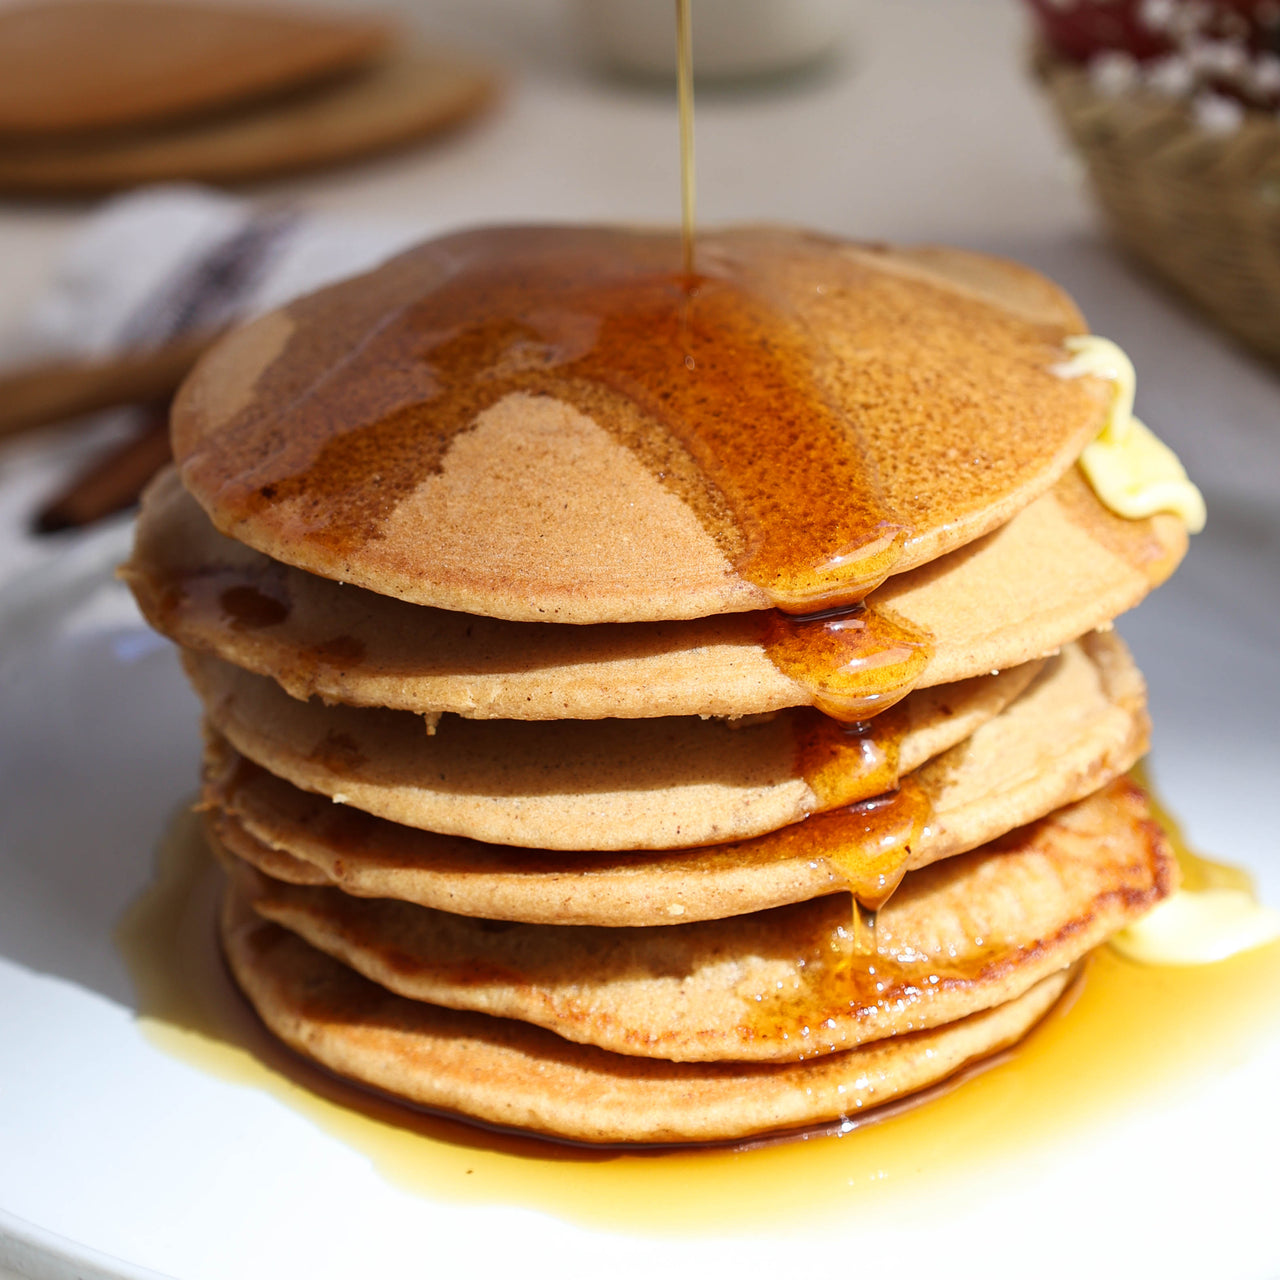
1199	927
1215	915
1141	476
1133	473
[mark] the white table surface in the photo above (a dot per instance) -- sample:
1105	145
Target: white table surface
928	129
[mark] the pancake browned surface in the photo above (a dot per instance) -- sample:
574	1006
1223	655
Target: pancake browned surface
1056	570
512	1074
605	784
550	424
77	66
992	783
963	935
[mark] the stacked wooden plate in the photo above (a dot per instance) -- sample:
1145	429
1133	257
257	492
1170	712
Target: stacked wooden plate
103	94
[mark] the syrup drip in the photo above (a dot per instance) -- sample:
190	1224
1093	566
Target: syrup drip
864	931
871	854
247	608
846	762
606	321
853	972
869	844
853	662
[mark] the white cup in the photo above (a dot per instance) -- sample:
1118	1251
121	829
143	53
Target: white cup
732	39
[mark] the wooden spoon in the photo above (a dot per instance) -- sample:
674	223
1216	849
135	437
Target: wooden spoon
58	390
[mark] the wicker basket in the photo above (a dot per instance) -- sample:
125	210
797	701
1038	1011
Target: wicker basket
1201	209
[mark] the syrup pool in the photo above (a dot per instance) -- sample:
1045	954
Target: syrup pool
1122	1038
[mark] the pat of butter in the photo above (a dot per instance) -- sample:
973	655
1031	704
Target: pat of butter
1133	473
1140	475
1199	928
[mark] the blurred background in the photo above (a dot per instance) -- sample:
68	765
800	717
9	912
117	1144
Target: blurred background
966	121
921	121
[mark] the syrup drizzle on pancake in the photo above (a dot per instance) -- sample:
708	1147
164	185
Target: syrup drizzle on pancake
607	321
871	974
851	972
843	763
855	662
866	843
780	391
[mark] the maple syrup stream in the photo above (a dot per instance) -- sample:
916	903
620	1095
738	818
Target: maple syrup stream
853	662
684	95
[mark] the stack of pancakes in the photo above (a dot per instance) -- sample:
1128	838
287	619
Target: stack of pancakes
649	708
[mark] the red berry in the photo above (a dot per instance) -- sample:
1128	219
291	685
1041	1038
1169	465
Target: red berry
1078	29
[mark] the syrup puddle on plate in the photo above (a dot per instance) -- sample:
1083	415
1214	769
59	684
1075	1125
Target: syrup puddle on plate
1123	1036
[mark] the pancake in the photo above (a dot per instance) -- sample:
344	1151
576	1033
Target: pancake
1055	571
83	66
551	424
984	788
607	784
515	1075
782	985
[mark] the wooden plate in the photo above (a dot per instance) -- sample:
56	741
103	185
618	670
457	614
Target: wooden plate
412	93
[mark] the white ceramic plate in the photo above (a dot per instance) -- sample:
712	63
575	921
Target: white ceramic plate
120	1157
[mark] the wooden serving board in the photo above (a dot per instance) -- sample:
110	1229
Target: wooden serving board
412	93
82	66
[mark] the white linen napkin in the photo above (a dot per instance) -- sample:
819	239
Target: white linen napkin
149	263
145	267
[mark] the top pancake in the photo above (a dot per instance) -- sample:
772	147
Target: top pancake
1058	569
553	424
71	66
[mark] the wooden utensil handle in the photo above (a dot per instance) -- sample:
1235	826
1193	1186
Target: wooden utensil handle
66	389
111	483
